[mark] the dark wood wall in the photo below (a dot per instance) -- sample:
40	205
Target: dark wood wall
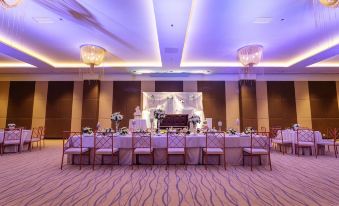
281	103
169	86
214	101
59	108
126	96
324	105
90	103
248	104
20	104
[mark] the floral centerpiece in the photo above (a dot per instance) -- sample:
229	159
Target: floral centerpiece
194	119
123	131
11	126
231	131
87	130
117	117
249	130
295	127
159	115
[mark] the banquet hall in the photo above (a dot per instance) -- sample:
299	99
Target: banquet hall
169	102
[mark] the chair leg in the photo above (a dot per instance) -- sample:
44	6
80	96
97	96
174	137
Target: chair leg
225	160
80	160
93	163
251	163
243	159
62	161
185	161
206	161
269	160
315	151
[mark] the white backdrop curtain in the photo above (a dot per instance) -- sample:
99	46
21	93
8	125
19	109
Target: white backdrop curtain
172	103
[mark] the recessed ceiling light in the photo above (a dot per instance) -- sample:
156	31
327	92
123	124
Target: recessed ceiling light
262	20
43	20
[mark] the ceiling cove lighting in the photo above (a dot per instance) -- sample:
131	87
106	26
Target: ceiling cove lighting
7	4
330	3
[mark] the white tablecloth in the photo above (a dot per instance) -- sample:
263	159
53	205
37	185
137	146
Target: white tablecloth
291	135
194	143
26	135
139	124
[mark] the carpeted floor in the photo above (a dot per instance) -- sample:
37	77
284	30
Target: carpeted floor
34	178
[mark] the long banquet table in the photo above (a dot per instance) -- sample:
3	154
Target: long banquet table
194	143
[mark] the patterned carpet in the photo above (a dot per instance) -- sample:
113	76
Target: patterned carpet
34	178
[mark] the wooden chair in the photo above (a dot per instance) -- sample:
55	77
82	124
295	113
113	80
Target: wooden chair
176	145
333	139
215	145
282	142
305	139
35	138
72	145
12	137
260	145
142	145
104	146
42	136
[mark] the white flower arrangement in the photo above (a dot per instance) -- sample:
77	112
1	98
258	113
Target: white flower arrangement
231	131
295	126
195	119
87	130
11	126
249	130
123	131
159	114
117	117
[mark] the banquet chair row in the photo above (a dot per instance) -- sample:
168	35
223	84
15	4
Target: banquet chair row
332	140
14	138
175	145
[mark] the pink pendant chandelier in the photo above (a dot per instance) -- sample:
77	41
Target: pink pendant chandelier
330	3
7	4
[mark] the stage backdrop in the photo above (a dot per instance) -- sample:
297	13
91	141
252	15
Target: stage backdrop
172	103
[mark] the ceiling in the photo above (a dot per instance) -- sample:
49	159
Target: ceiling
169	36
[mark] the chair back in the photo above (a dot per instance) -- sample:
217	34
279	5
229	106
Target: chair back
42	132
72	140
36	133
103	140
274	131
215	140
12	135
260	140
305	135
176	140
333	133
141	140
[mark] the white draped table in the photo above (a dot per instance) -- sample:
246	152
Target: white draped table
194	143
26	135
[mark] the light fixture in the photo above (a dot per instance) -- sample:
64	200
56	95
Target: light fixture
330	3
250	55
92	55
7	4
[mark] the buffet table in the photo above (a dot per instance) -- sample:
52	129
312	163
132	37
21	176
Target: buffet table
194	143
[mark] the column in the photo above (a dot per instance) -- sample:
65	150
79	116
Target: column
262	105
303	105
77	106
4	92
232	105
105	103
39	104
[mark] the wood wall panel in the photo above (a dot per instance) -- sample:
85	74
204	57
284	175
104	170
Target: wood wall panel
248	104
302	100
59	108
262	105
39	106
20	103
126	96
324	105
214	101
4	93
105	103
232	104
169	86
90	103
281	103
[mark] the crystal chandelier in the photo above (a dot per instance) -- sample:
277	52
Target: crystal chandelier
7	4
250	55
330	3
92	55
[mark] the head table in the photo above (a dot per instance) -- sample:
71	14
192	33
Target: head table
194	143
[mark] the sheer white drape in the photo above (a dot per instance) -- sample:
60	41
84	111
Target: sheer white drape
172	103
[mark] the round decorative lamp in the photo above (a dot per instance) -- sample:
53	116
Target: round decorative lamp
330	3
250	55
92	55
7	4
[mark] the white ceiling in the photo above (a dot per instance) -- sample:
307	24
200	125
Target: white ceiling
171	36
